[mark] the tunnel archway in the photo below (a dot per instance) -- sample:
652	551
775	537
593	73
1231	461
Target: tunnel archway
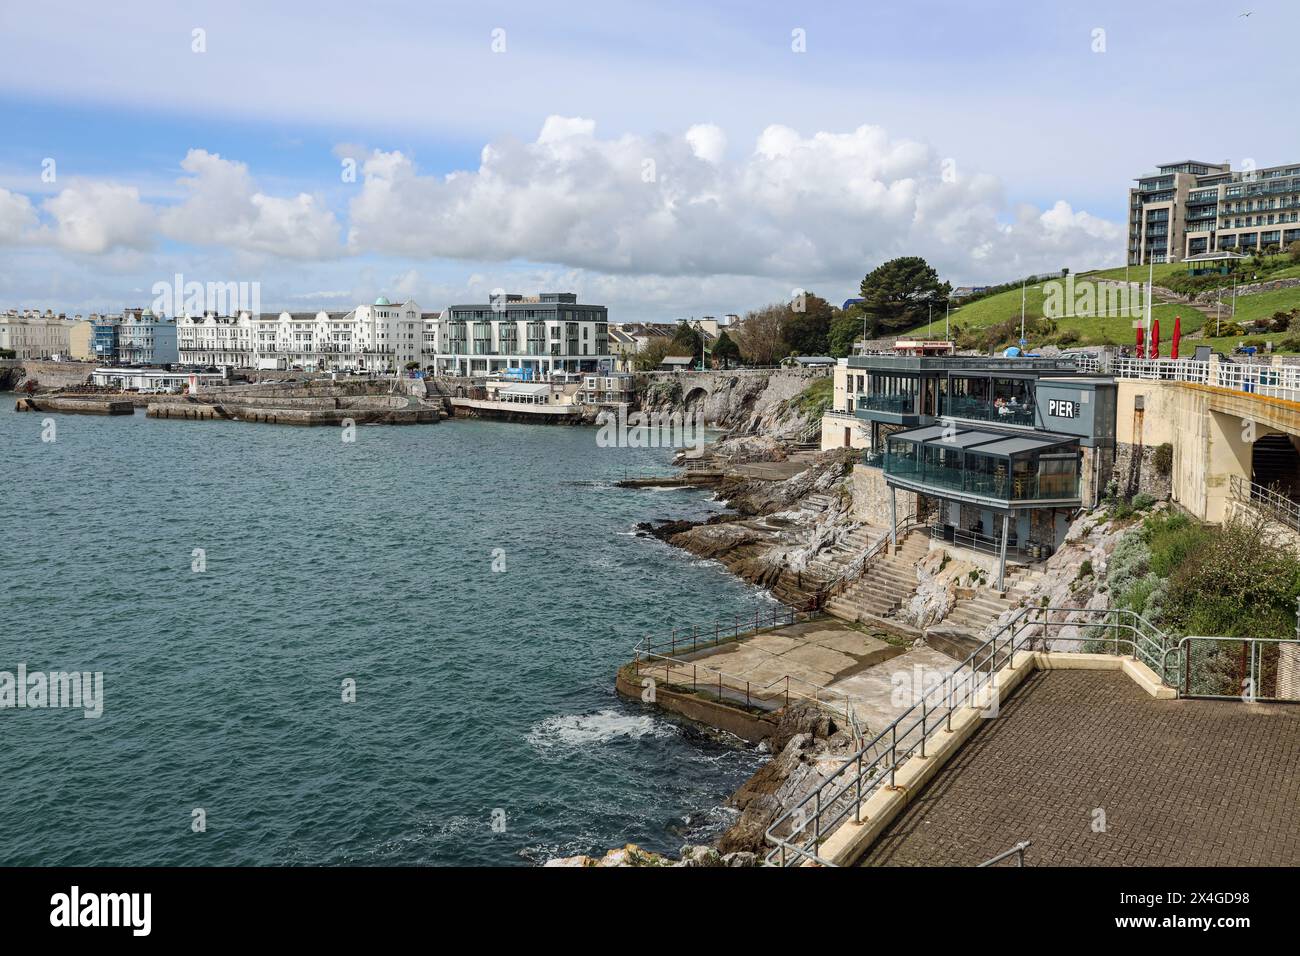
1275	463
694	398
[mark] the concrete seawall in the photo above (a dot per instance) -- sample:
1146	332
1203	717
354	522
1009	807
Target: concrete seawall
75	406
279	415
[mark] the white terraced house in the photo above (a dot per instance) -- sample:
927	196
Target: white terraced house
373	337
536	336
215	340
32	335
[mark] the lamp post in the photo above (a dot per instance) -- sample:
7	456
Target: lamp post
1022	312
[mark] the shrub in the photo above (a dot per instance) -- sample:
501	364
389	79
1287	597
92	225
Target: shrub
1142	501
1162	459
1236	582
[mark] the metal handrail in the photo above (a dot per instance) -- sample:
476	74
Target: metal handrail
816	696
842	584
1266	499
1255	378
722	633
1018	851
929	715
1253	643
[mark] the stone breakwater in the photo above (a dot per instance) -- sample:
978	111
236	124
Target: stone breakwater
72	405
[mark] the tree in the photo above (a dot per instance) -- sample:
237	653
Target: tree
687	339
900	294
1294	251
846	328
807	325
761	336
651	356
725	350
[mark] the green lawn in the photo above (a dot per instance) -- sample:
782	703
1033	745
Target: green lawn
1137	273
1094	330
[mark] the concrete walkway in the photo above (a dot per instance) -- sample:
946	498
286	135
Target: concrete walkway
825	659
880	694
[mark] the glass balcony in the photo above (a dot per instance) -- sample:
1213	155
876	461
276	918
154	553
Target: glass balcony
982	477
897	404
980	410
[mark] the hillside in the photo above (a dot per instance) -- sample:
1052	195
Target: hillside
995	321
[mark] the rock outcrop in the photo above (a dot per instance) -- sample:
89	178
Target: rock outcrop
745	401
808	747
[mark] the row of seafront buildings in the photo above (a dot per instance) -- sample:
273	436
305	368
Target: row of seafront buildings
529	336
135	336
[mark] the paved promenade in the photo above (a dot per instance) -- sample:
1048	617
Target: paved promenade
1180	783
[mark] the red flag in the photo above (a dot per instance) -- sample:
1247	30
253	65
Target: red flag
1155	338
1178	329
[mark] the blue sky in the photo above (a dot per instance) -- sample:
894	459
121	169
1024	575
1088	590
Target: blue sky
994	138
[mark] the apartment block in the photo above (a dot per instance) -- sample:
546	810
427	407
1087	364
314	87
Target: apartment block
1189	208
536	336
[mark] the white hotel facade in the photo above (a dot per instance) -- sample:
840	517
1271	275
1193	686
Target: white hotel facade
537	335
372	337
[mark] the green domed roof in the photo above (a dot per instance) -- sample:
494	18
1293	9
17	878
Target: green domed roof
382	301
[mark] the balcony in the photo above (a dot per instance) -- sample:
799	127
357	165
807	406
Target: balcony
983	467
980	410
889	409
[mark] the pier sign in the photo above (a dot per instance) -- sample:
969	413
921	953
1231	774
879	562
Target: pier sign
1062	408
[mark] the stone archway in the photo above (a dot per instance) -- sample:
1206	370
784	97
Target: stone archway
694	397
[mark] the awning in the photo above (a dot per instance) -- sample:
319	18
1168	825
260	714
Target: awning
980	441
1008	447
948	436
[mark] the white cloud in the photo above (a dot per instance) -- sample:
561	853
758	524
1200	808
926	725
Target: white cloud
16	217
708	142
806	209
224	208
97	217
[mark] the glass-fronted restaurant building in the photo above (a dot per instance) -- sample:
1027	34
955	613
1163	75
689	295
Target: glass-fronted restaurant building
997	454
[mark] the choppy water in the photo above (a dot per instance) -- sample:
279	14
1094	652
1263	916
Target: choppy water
477	691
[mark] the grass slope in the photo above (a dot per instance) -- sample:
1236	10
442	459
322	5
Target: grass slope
1095	330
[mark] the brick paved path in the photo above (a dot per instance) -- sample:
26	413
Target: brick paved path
1183	782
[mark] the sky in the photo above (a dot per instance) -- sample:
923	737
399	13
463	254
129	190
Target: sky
666	159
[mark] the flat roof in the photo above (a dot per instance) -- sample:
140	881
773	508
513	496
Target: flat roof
520	389
983	442
1015	446
962	363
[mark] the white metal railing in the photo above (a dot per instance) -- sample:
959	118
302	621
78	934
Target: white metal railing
1273	381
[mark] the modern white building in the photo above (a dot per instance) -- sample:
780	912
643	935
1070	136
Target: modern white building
35	335
537	336
154	379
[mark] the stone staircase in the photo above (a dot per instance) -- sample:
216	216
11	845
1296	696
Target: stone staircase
887	583
817	502
974	615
